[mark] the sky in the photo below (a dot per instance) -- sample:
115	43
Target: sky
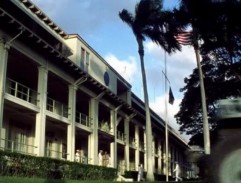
98	23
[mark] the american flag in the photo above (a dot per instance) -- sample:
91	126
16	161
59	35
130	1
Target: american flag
184	37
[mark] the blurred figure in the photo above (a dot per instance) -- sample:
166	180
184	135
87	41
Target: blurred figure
106	159
77	156
100	156
140	173
177	172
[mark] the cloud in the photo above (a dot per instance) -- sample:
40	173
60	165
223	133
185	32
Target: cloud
126	68
179	65
158	106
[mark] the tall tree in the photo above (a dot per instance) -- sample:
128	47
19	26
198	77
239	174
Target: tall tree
212	22
221	82
149	21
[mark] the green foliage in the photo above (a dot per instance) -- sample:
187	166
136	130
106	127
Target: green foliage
15	164
214	23
41	180
152	21
222	80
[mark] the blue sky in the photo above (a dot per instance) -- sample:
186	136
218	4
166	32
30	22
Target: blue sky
98	23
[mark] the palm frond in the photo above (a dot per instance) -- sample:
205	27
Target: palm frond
126	17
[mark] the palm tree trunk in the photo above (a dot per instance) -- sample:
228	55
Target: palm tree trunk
150	173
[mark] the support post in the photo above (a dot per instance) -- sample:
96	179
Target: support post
3	73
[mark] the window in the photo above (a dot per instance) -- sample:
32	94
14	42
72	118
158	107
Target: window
84	58
87	60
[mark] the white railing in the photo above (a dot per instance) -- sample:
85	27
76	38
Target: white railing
104	126
55	154
20	91
83	160
132	166
122	167
57	107
15	146
120	136
132	142
142	146
83	119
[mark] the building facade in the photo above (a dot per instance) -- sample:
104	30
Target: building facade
59	98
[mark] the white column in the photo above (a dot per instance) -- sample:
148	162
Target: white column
137	151
153	153
40	126
71	126
3	72
145	153
113	148
127	146
93	137
159	157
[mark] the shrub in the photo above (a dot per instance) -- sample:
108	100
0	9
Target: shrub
15	164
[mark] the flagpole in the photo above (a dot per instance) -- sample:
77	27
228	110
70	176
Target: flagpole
166	123
206	134
184	38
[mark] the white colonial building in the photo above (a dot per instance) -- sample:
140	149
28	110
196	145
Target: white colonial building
58	95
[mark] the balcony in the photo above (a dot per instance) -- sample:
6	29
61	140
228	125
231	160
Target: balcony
122	167
51	153
142	146
105	127
14	146
57	107
133	142
120	136
20	91
83	160
83	119
132	166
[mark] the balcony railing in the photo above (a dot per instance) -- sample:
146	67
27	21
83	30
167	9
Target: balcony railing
83	160
57	107
22	92
55	154
132	142
120	136
132	166
83	119
122	167
104	126
15	146
142	146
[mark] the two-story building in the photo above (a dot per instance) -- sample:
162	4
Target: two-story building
58	95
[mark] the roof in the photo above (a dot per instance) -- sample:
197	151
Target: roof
42	16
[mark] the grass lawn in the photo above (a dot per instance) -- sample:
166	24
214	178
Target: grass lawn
38	180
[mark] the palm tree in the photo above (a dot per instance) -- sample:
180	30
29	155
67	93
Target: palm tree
150	21
213	22
191	13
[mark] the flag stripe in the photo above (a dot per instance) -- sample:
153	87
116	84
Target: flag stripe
184	38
